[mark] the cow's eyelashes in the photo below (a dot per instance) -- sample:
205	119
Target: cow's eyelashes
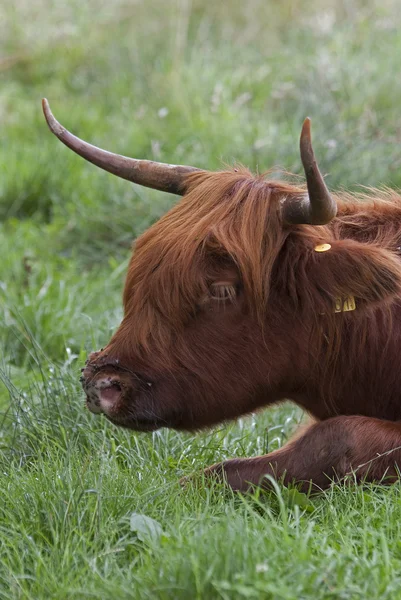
223	292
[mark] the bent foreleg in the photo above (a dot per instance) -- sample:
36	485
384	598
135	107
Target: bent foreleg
328	450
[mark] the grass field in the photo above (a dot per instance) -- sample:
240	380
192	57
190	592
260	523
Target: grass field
202	83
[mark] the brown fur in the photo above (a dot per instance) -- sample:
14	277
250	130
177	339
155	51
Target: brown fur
273	332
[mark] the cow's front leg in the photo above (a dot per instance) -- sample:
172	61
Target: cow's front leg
326	451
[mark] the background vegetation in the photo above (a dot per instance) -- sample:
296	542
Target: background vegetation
195	82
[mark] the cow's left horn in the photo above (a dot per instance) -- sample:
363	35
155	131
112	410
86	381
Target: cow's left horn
318	207
159	176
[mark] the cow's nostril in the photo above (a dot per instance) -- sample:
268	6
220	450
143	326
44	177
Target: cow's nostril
110	398
109	382
104	395
110	393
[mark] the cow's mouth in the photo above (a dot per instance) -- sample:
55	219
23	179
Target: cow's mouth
110	402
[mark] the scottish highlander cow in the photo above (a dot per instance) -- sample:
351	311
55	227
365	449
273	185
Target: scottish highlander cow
250	291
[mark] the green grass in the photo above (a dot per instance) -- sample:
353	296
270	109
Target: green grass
237	79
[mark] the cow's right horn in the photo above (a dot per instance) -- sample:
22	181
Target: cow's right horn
159	176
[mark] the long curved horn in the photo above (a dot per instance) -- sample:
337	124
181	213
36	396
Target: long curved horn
159	176
318	207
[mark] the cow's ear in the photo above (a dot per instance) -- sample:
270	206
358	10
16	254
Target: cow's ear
347	271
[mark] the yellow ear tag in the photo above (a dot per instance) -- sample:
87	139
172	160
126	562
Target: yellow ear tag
322	247
345	305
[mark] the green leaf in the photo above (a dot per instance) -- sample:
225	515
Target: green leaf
145	527
296	498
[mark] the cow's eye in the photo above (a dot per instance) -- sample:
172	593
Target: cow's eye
223	292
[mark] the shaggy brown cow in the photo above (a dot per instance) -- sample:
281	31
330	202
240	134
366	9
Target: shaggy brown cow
250	291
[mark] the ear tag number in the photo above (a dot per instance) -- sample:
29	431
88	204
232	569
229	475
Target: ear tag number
345	305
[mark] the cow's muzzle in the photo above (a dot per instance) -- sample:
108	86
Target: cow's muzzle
110	388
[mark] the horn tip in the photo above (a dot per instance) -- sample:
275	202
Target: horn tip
53	124
46	108
306	127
